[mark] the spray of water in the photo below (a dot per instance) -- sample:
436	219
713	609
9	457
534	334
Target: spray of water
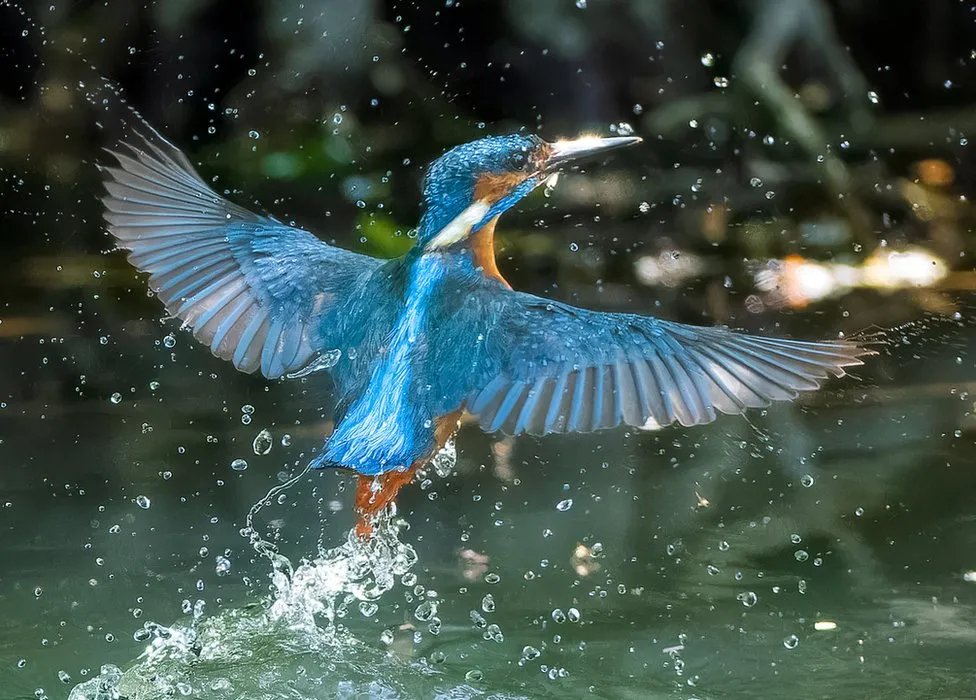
299	627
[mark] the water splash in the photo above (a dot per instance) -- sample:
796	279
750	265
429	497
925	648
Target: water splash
265	645
326	360
358	570
297	626
445	460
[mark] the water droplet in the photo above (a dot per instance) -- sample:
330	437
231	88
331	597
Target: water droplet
873	97
116	398
492	578
748	599
262	442
801	555
368	608
222	566
806	481
558	616
581	4
253	134
488	603
707	60
529	653
327	360
473	675
444	461
625	129
425	610
143	502
564	505
573	615
720	81
169	340
791	642
494	633
238	465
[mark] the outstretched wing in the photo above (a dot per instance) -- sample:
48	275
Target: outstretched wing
257	292
547	367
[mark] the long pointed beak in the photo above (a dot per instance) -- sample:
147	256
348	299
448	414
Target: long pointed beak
565	151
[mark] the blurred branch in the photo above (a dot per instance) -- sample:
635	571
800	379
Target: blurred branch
779	25
921	130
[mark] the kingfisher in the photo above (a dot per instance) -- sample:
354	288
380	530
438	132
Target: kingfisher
415	342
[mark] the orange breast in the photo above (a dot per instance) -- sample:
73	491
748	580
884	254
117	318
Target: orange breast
483	251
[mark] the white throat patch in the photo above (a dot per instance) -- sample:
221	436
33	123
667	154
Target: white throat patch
460	226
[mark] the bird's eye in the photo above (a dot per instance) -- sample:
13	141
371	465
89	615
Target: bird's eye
518	161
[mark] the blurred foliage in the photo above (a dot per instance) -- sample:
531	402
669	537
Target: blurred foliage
827	106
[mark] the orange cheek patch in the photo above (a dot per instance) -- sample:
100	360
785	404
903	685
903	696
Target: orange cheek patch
491	187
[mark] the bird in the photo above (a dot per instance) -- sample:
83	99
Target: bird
414	342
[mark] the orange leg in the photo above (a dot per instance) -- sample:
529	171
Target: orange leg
373	494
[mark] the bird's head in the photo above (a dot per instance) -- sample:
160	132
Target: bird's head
472	184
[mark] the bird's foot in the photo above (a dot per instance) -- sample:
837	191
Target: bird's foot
374	494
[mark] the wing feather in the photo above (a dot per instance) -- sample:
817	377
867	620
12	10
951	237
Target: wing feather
248	286
556	368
